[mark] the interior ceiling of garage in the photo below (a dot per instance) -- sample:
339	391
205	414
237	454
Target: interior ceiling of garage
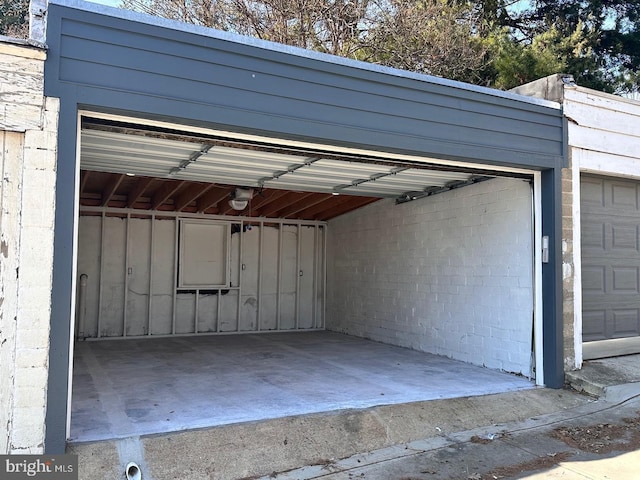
126	166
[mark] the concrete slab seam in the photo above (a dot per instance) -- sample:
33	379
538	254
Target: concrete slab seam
130	450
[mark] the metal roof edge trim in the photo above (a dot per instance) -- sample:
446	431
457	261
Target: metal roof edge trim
296	51
22	42
598	93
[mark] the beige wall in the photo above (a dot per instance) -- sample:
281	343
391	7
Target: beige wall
28	137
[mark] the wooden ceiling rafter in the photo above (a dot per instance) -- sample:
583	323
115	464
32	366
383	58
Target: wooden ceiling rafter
263	198
84	178
191	194
211	198
141	186
149	193
295	207
110	188
165	192
278	204
331	202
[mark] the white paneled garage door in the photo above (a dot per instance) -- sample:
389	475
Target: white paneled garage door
610	266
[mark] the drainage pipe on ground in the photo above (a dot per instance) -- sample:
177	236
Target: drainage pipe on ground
133	472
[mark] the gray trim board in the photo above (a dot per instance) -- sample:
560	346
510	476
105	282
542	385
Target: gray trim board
56	416
180	75
113	61
552	327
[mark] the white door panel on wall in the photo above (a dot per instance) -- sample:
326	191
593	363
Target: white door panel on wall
89	264
305	276
250	270
112	283
138	276
163	277
269	278
204	254
289	278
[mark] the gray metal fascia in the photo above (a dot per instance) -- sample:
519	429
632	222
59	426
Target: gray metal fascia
296	51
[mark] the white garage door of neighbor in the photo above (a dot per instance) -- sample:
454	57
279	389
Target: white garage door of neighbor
610	266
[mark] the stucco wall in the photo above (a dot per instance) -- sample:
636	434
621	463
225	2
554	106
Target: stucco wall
450	274
28	133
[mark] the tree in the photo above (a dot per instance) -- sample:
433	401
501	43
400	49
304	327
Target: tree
610	28
499	43
438	37
14	18
332	26
519	62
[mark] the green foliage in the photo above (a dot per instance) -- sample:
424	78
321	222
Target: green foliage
499	43
14	18
518	62
607	55
437	37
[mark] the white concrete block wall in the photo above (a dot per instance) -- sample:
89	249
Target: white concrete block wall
28	136
450	274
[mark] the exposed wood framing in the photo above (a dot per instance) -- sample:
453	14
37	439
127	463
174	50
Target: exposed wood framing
164	193
138	190
190	194
110	188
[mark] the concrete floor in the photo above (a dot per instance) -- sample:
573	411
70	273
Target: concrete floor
125	388
596	376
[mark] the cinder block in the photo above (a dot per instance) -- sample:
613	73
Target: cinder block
460	250
33	334
32	358
28	430
28	396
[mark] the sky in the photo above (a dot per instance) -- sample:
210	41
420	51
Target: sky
111	3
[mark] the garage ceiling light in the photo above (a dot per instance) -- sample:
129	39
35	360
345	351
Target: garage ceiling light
240	198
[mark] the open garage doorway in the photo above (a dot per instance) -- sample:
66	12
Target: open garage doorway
341	280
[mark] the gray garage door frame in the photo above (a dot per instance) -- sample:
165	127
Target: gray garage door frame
113	61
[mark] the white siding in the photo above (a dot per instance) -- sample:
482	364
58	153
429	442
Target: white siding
604	138
450	274
604	132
